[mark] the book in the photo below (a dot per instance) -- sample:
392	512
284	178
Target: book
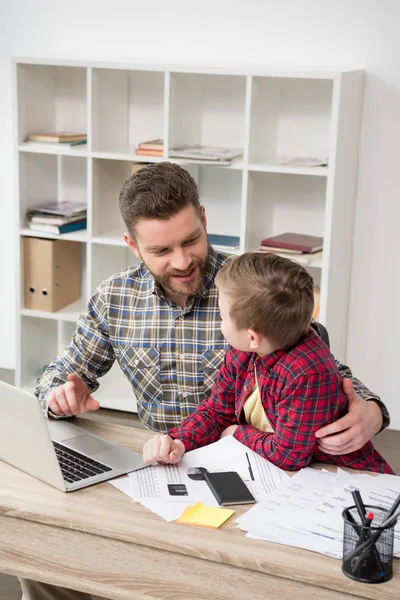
295	241
265	248
151	145
53	219
305	258
63	208
141	152
229	242
300	161
213	153
58	229
59	137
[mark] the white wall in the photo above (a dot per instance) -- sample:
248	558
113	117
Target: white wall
353	33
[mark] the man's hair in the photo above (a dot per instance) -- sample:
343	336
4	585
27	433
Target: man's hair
270	294
158	191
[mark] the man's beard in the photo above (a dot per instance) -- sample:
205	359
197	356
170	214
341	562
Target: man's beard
185	289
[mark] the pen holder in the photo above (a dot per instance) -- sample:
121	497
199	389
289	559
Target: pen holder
367	549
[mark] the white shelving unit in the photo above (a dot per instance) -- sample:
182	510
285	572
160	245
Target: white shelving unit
268	114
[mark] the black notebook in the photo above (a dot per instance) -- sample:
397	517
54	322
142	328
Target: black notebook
229	488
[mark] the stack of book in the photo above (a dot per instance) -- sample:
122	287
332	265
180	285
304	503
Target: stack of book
304	249
62	138
206	155
150	148
57	217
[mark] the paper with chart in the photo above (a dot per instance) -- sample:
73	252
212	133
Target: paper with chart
177	483
307	512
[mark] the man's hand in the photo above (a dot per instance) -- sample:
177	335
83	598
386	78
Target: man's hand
351	432
162	448
229	431
72	398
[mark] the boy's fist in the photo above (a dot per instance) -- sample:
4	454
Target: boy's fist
162	448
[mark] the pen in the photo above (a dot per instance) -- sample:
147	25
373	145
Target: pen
359	505
250	469
365	534
392	509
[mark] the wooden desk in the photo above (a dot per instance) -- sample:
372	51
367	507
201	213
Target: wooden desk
98	541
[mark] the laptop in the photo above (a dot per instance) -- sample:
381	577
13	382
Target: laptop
57	452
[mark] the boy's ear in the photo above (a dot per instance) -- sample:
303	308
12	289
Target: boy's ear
131	243
254	340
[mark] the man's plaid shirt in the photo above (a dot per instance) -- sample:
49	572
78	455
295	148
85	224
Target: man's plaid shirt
170	355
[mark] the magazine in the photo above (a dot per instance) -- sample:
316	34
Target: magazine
211	153
64	208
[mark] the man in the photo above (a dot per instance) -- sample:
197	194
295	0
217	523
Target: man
161	322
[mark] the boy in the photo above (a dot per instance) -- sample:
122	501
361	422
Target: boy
279	382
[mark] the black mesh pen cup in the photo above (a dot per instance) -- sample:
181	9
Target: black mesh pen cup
368	547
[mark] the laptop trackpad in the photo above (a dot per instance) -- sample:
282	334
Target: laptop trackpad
87	444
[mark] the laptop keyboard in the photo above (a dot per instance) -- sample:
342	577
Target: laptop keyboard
76	466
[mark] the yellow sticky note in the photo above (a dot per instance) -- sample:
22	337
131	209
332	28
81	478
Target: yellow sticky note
205	516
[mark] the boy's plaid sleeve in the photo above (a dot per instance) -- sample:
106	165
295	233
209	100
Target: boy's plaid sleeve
306	404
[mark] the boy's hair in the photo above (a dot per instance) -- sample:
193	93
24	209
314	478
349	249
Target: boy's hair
158	191
270	294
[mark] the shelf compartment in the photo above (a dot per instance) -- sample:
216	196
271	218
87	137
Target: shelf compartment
278	203
128	108
38	348
51	98
108	179
220	192
47	178
290	117
207	110
107	260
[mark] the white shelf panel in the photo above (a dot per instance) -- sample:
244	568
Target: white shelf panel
211	68
54	149
114	237
74	236
126	153
267	167
69	313
225	250
236	165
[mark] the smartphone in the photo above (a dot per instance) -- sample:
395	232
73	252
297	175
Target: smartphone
229	488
